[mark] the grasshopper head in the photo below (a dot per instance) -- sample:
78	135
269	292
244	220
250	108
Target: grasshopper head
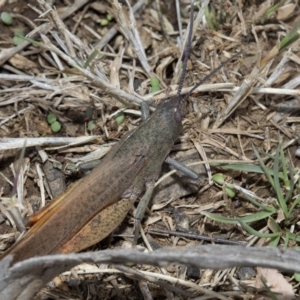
173	110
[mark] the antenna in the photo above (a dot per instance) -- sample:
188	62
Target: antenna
207	77
187	50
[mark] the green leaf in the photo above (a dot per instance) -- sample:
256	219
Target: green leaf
291	37
230	192
154	82
93	55
120	118
274	227
297	277
55	126
211	18
51	118
104	22
6	18
220	218
254	232
273	8
33	42
91	125
258	204
263	166
277	186
283	163
274	242
296	202
154	89
291	236
245	168
218	178
291	186
256	217
247	219
17	40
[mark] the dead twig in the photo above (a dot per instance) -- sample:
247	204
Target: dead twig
39	270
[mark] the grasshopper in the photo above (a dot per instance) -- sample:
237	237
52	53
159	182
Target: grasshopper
94	206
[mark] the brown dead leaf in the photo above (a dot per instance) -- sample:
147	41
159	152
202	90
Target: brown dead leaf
22	63
276	282
286	11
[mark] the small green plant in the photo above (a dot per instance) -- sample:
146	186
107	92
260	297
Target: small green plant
279	215
286	189
6	18
220	180
89	112
212	19
18	37
109	17
33	42
17	40
120	118
51	118
106	21
91	125
272	9
54	124
290	37
154	82
95	54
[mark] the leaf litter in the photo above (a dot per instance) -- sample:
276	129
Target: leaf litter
252	101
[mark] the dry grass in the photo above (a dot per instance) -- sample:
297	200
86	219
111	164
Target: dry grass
252	101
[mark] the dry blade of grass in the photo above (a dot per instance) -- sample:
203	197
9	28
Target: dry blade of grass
6	54
18	143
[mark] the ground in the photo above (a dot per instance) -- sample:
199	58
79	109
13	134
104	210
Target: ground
242	122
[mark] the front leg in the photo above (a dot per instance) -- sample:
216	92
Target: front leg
140	212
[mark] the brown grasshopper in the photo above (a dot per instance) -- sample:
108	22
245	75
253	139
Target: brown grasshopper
93	207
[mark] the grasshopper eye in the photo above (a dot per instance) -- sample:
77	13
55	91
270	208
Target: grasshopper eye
177	115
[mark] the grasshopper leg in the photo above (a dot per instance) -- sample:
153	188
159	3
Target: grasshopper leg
140	211
103	224
180	167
